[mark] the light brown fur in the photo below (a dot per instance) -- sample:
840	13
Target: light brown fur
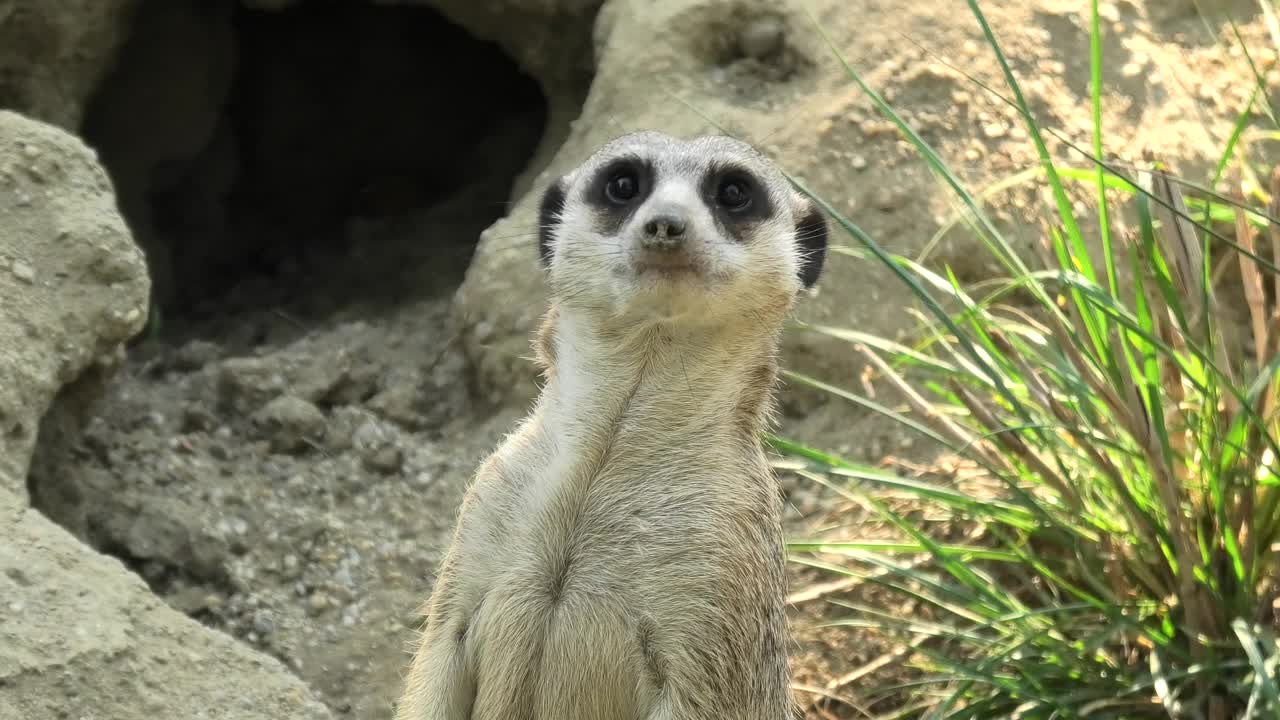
620	555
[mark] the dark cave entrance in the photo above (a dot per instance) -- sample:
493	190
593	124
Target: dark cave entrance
333	152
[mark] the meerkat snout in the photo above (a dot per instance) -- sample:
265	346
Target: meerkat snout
664	230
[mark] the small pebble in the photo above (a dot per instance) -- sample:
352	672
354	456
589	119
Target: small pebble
885	200
23	271
761	37
343	577
291	423
387	459
263	624
195	355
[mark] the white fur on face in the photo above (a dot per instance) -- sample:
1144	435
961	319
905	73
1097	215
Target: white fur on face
599	271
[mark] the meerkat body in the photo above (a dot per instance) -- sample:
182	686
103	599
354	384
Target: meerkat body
620	555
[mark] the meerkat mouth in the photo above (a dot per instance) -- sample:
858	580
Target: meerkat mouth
666	268
667	265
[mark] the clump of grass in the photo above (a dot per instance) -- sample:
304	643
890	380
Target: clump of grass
1132	559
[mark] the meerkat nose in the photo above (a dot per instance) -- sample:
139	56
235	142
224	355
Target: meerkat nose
663	231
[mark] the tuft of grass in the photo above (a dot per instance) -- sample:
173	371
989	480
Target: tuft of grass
1129	557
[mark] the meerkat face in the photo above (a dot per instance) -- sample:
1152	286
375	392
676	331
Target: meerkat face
653	226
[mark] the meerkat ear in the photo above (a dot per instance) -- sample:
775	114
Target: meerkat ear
549	218
811	236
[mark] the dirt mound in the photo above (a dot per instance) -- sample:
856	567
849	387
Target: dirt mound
76	626
762	71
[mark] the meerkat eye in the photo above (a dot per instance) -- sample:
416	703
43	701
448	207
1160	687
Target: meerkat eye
622	186
734	194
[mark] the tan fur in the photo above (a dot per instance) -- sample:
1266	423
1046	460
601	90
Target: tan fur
620	555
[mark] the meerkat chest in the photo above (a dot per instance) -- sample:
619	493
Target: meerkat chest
586	566
570	603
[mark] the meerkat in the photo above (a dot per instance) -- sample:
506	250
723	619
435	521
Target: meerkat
620	555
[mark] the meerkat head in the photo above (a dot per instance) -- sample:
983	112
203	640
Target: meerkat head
653	227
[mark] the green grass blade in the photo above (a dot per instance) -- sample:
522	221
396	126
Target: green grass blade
1259	80
1033	130
1095	72
1242	120
898	350
871	405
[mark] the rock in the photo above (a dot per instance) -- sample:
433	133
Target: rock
343	424
91	294
23	272
247	383
761	37
995	129
319	602
78	627
376	445
701	41
398	403
195	355
722	59
263	624
119	648
53	54
385	459
292	423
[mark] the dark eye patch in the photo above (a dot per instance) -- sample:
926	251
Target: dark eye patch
737	199
617	190
549	219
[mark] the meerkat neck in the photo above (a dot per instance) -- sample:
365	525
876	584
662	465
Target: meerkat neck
717	378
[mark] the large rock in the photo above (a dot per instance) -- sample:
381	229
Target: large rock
77	629
54	52
762	70
72	284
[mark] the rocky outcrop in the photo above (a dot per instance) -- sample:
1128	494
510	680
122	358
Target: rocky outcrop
762	71
77	629
53	53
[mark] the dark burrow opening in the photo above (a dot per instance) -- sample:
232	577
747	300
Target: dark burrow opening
287	171
314	157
